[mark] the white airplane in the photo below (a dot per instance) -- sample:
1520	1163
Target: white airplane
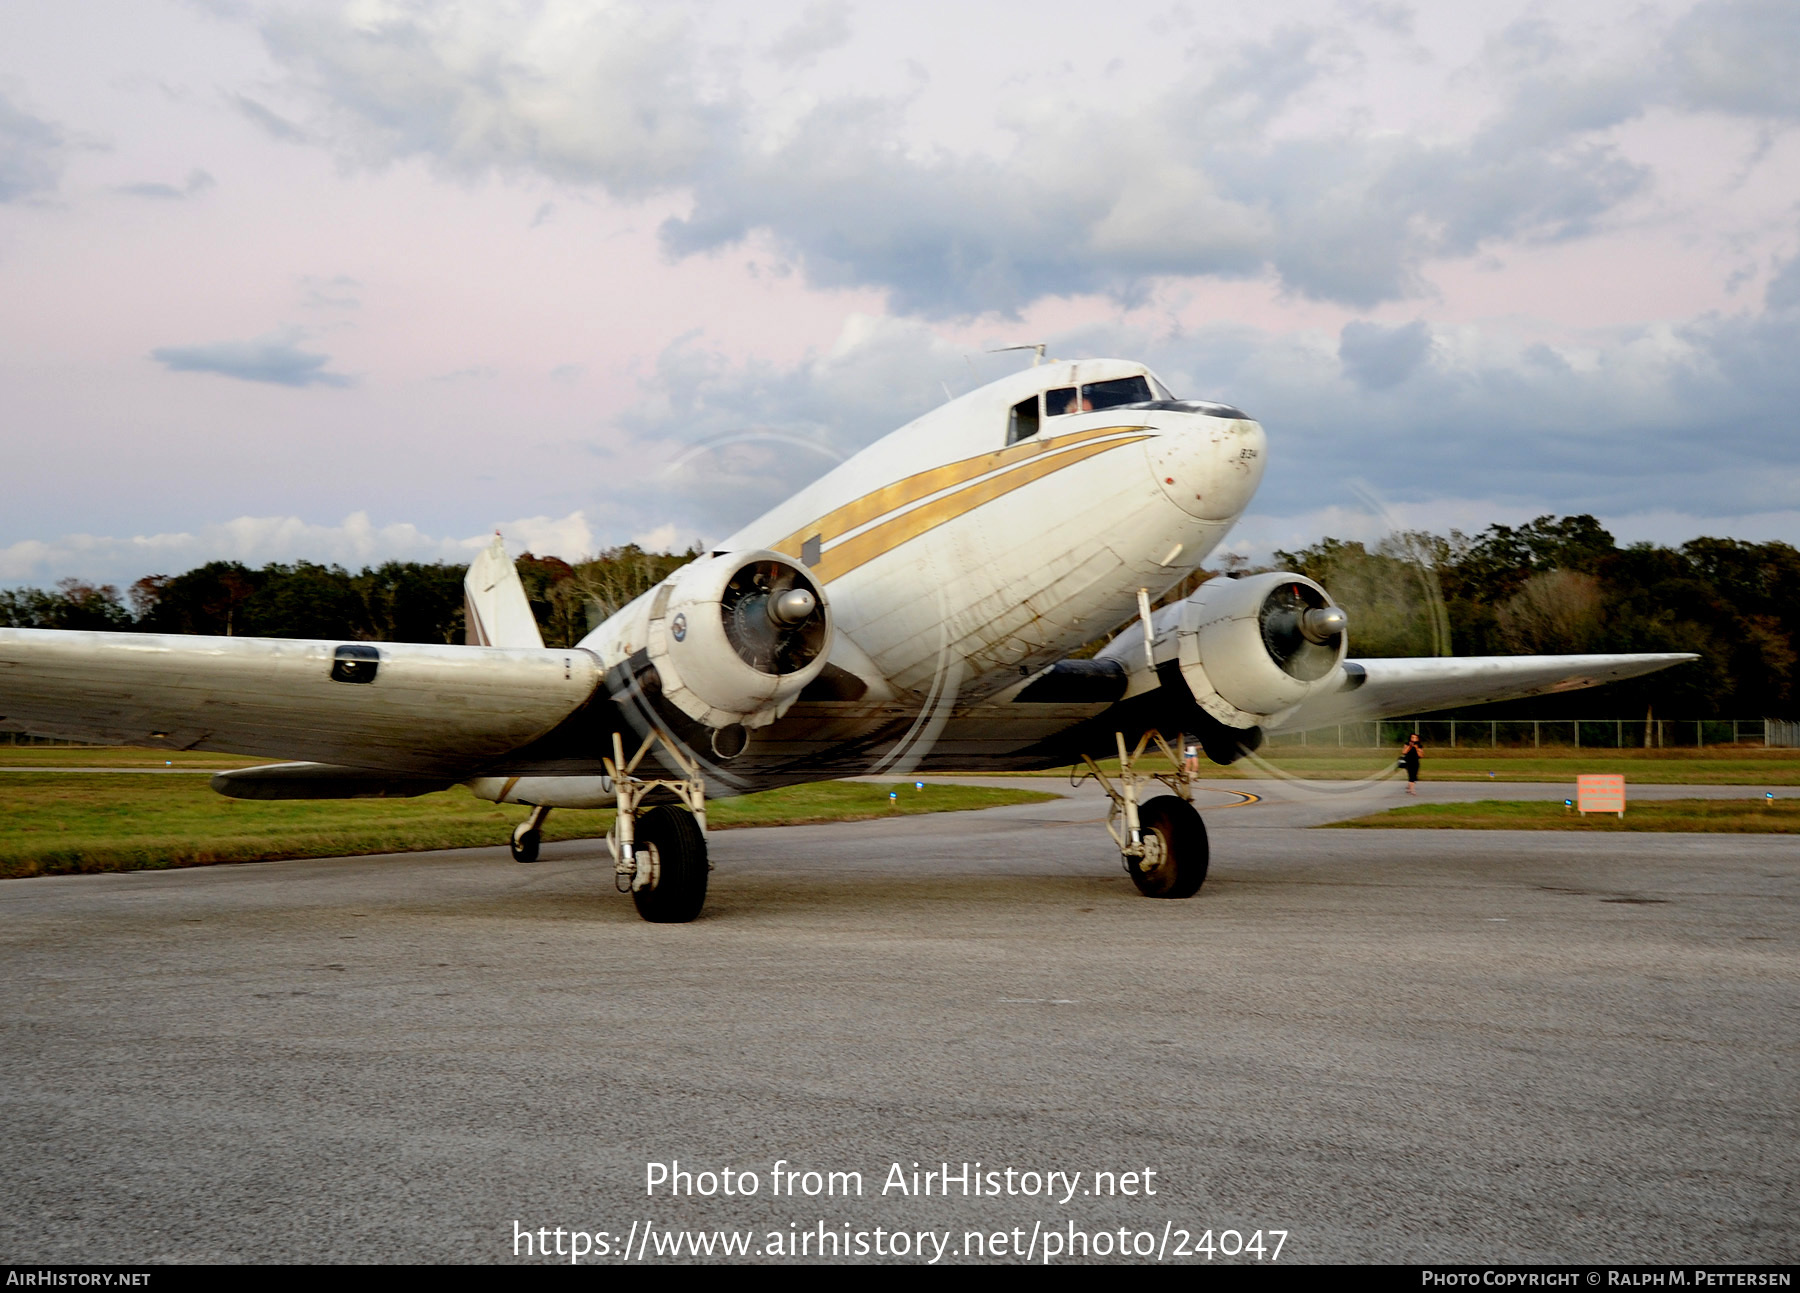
914	610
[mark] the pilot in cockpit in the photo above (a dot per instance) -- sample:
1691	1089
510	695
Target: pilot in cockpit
1022	421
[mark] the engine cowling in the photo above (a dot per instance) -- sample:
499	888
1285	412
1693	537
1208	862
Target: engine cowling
1252	648
735	637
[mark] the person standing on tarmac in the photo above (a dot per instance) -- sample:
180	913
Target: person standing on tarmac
1409	759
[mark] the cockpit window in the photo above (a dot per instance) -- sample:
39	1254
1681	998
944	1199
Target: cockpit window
1160	391
1098	395
1107	395
1022	422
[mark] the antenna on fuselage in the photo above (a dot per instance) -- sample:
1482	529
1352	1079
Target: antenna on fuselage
1037	346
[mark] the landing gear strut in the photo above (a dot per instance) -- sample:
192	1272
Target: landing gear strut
660	858
1162	843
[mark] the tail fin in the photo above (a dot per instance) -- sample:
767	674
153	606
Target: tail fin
495	610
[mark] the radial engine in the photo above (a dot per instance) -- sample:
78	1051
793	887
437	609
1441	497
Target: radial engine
1241	653
735	637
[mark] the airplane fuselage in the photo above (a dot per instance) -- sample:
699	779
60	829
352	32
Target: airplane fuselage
942	547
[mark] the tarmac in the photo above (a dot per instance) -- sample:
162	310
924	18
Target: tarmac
1387	1046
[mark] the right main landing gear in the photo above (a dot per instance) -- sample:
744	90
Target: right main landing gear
1162	843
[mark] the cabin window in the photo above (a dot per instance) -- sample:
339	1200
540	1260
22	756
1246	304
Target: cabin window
355	664
1121	390
1022	422
1059	402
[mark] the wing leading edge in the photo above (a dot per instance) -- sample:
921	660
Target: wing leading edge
1395	688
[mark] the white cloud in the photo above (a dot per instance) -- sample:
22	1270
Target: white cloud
824	26
31	153
198	182
354	542
576	91
668	537
1692	419
569	537
731	440
1258	158
276	359
1739	56
1378	357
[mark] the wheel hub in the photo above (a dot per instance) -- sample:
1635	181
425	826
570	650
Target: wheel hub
649	868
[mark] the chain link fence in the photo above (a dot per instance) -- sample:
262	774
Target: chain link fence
25	738
1530	733
1455	733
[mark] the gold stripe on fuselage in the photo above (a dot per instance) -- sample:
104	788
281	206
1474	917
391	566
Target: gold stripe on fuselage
873	542
1019	469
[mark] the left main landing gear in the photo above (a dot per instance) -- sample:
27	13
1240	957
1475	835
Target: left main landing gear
672	854
660	857
1162	843
1175	857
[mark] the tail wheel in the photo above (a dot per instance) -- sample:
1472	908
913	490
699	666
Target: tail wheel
1175	849
678	866
528	834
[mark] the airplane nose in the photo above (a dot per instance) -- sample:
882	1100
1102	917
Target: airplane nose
1209	467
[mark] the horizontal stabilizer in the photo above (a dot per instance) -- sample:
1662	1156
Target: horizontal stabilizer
321	781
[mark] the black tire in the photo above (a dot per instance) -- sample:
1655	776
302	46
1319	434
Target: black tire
525	845
1174	833
679	865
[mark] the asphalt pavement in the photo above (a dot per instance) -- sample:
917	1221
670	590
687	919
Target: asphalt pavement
1387	1046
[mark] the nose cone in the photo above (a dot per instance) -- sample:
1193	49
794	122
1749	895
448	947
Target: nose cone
792	607
1209	467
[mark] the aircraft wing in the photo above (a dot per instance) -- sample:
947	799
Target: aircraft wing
1395	688
400	707
424	713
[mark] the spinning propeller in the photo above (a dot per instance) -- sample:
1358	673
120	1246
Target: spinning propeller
773	617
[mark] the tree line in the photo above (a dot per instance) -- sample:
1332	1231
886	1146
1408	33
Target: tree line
1550	587
399	601
1561	586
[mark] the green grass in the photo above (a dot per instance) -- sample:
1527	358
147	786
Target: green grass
1732	816
1712	766
65	823
117	756
1716	766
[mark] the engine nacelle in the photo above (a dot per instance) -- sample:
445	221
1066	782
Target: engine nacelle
1252	648
735	637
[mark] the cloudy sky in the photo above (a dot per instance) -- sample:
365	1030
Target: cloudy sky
356	281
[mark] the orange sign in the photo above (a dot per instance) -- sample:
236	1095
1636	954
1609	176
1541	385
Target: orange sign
1600	793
